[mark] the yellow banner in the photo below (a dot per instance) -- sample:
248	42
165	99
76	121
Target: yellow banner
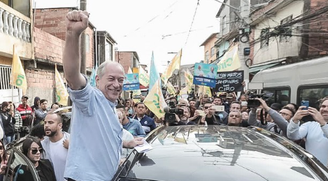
61	91
230	61
155	101
205	90
143	77
170	89
18	77
175	64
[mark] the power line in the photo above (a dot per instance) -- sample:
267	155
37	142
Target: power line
154	18
192	22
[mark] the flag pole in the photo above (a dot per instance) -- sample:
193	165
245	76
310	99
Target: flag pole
12	87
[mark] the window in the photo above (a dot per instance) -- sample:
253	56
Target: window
19	5
312	93
286	31
87	43
213	51
279	95
224	23
108	51
207	56
265	35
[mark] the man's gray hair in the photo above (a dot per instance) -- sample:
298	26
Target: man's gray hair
101	68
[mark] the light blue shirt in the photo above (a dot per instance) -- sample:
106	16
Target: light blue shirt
96	136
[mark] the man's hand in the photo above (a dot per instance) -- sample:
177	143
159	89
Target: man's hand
264	104
133	143
300	113
66	143
77	21
316	115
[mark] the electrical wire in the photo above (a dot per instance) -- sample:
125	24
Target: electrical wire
192	22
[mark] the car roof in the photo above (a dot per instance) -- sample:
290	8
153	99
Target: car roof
221	153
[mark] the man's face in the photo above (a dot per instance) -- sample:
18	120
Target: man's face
217	101
111	82
141	109
234	118
287	114
235	107
324	110
24	101
186	114
43	105
192	103
52	125
208	109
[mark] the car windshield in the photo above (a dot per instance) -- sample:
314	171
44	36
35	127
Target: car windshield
212	153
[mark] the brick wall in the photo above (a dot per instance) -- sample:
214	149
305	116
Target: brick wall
125	59
52	21
40	83
47	46
318	26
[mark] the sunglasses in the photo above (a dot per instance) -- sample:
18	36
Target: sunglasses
206	107
234	116
1	147
34	151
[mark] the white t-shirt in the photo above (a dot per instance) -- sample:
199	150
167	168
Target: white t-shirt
57	154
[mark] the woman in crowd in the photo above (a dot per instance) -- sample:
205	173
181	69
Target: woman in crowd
3	160
33	150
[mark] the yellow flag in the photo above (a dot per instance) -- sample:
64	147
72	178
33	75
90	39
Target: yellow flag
175	64
18	77
129	70
205	90
155	100
61	91
230	61
185	90
143	77
170	89
189	79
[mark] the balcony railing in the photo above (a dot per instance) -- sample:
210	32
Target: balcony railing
14	25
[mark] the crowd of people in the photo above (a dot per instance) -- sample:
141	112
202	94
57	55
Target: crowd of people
103	123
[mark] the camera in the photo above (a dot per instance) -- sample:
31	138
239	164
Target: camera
253	103
170	114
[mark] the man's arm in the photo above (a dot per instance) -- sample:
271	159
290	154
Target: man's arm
77	22
294	131
133	143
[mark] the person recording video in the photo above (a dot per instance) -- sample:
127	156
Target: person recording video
280	119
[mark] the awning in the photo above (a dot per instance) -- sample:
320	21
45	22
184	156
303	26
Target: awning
254	69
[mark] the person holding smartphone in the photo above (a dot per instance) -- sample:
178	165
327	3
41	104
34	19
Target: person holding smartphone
315	132
280	119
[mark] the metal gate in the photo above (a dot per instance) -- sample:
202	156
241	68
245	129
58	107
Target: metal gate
7	91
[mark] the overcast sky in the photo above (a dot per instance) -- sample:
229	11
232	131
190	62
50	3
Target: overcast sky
161	26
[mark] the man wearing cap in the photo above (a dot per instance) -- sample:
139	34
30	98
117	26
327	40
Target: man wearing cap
26	113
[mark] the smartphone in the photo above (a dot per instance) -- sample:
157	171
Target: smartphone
218	108
305	103
201	113
244	103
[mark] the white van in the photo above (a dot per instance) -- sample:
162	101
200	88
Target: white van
307	80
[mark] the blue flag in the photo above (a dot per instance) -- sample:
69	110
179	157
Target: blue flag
154	75
93	77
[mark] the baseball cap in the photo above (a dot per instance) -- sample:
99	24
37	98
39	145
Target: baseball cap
275	106
24	97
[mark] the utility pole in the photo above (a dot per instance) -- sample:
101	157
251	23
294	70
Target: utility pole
244	30
83	7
